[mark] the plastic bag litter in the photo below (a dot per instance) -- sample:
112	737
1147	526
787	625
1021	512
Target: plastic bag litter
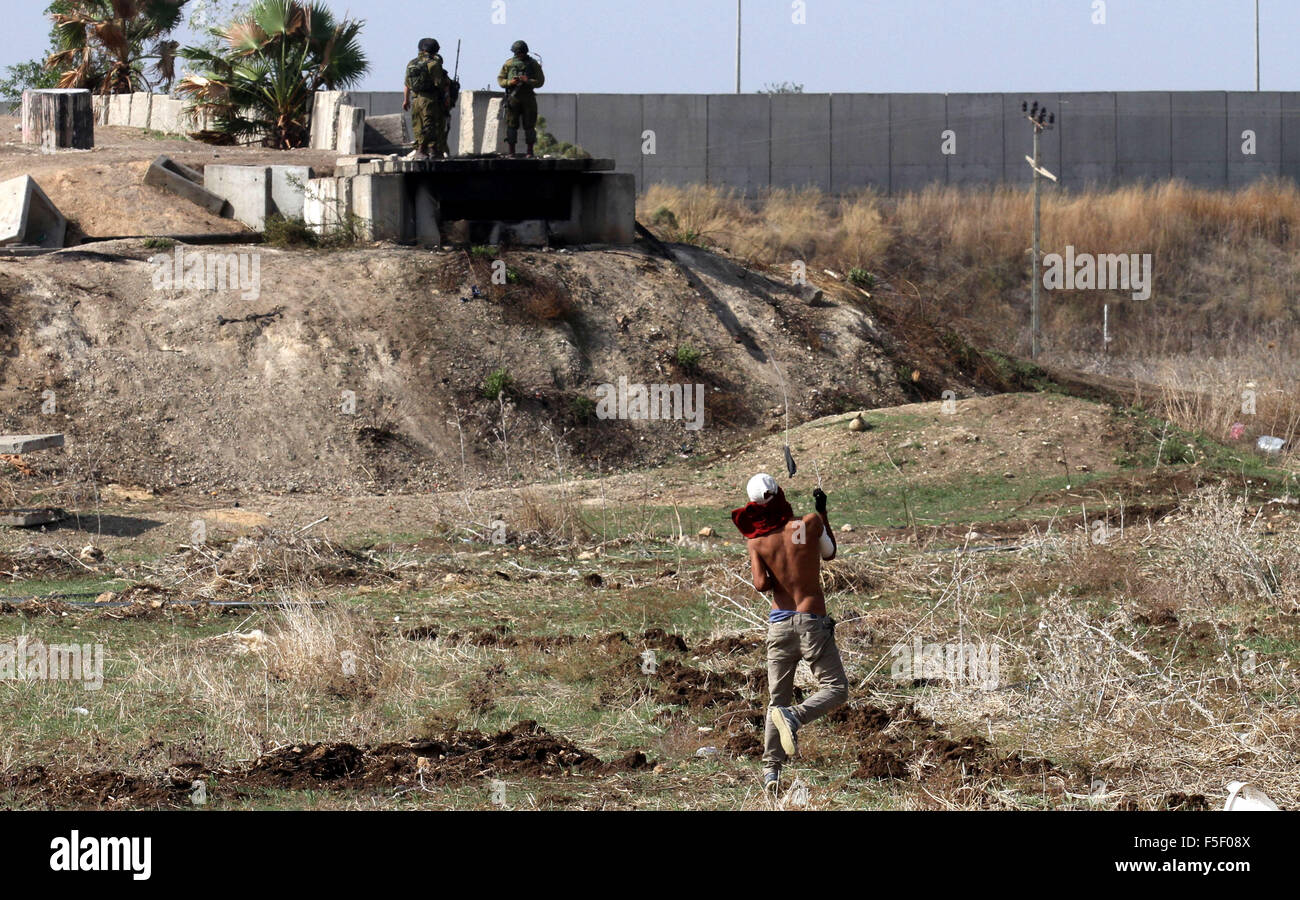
1243	797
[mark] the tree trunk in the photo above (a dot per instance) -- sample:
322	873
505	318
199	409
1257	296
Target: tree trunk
59	119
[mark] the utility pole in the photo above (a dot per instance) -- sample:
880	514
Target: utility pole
1256	44
738	2
1039	117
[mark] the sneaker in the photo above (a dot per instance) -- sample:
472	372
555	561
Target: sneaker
788	727
771	780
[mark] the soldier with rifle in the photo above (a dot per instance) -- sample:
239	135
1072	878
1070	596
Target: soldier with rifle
428	96
521	76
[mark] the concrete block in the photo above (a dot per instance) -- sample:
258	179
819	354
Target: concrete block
613	208
27	216
141	106
351	133
1199	137
29	443
603	210
453	132
680	123
978	127
380	202
1144	136
289	189
327	203
119	109
1088	133
246	190
917	123
609	125
325	116
387	133
739	149
859	142
167	115
1261	114
494	127
183	181
801	141
477	113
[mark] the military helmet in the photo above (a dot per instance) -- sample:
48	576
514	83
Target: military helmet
428	45
519	47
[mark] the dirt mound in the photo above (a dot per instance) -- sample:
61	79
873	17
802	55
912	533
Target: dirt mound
903	744
682	685
527	750
33	562
63	790
377	381
730	645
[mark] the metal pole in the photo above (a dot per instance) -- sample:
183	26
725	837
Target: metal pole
1256	44
738	2
1038	234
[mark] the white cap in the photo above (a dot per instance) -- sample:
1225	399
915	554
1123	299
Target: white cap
761	488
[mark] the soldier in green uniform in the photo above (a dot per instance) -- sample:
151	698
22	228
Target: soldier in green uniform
521	76
428	98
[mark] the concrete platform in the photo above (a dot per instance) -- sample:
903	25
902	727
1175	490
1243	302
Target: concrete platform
479	199
27	443
27	216
30	518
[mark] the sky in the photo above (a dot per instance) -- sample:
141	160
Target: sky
842	46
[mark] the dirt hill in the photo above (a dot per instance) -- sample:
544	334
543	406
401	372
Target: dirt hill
167	387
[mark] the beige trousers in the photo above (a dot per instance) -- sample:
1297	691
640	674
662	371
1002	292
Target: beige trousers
809	638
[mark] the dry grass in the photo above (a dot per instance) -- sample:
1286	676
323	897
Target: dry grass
1223	261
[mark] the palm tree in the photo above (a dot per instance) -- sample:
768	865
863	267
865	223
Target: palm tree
104	44
280	53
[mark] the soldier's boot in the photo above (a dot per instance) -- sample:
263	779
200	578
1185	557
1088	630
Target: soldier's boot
531	154
513	150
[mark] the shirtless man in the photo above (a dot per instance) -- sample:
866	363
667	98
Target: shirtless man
785	554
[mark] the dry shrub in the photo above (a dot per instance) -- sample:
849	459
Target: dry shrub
546	300
1221	555
325	648
549	520
703	214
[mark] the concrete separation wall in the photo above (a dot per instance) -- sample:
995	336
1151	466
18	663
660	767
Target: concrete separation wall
157	112
902	142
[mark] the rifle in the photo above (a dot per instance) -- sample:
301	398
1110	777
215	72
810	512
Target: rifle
454	89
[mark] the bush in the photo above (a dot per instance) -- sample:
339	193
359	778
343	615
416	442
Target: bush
862	278
288	232
496	384
688	358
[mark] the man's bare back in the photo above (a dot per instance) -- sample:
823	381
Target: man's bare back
788	563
